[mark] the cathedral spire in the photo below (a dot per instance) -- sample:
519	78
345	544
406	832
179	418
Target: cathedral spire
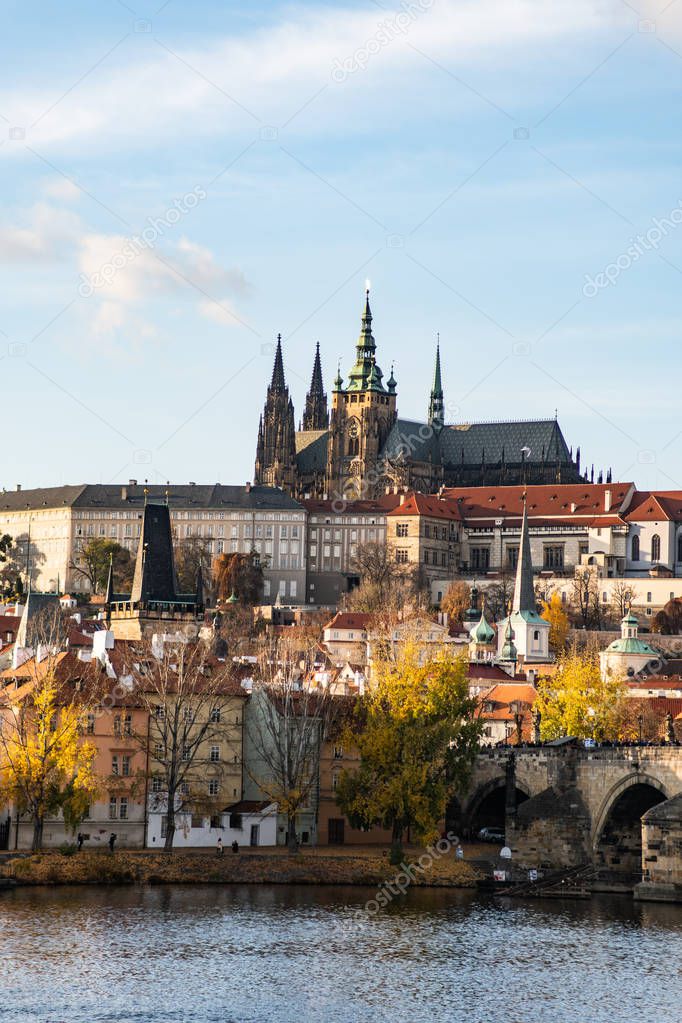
316	415
276	446
524	592
365	374
278	383
436	404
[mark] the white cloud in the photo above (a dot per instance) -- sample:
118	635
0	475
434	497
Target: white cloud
62	189
274	71
45	234
220	312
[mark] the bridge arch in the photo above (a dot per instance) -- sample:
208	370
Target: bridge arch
486	806
617	830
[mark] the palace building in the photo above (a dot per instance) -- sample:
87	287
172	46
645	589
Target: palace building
361	445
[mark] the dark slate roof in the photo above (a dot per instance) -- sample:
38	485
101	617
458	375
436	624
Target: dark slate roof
42	497
413	441
468	442
39	619
475	438
123	496
154	577
311	450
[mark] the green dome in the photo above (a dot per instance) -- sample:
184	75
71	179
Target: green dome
631	646
482	631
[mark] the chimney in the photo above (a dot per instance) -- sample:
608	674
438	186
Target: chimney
124	493
402	499
248	486
132	483
18	487
607	500
573	506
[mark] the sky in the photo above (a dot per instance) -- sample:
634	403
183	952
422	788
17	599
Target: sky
183	181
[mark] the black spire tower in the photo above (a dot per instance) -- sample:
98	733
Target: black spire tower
316	416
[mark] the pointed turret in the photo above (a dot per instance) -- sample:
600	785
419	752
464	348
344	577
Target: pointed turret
109	594
524	593
436	403
316	415
276	447
365	374
277	383
154	578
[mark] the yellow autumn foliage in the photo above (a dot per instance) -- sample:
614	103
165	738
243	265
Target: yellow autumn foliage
577	701
45	767
554	613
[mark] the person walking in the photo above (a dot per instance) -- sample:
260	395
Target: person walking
235	846
79	841
112	841
219	848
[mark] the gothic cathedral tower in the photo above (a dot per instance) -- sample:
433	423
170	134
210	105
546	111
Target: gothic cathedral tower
276	449
361	418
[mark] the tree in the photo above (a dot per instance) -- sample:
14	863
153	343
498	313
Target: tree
668	621
577	701
417	735
191	554
187	694
623	595
385	585
554	613
284	728
45	766
239	574
499	596
585	598
92	562
456	600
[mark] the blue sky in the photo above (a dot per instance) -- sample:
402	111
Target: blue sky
478	162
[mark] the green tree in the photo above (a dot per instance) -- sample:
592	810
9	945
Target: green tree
578	701
417	735
92	562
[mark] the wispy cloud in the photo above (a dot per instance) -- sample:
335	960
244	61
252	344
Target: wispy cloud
265	77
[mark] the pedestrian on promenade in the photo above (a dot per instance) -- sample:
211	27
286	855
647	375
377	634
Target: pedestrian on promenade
235	846
219	848
112	841
79	841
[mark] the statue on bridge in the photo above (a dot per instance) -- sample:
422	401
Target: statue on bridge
536	718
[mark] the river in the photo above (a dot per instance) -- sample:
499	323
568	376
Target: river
296	955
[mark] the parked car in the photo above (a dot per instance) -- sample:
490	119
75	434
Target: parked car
491	835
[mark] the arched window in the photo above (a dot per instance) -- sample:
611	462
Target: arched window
635	548
353	446
655	547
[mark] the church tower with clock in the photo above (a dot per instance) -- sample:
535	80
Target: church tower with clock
363	413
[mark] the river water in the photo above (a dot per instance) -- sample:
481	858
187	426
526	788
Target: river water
296	955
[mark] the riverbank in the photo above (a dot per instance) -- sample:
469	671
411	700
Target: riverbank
315	867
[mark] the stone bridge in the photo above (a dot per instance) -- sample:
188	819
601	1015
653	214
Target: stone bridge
563	806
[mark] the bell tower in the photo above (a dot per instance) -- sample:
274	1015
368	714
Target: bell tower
361	418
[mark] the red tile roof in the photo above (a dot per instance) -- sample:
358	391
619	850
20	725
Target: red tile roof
429	505
655	506
381	504
549	501
350	620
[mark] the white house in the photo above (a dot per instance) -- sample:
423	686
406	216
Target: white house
248	822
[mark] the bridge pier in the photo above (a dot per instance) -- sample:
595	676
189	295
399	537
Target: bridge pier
662	853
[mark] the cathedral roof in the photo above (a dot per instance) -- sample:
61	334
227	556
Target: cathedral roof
311	450
472	443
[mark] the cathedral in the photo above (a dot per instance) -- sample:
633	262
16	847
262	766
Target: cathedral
361	446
